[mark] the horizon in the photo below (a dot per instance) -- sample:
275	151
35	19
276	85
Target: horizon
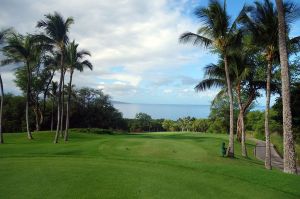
122	102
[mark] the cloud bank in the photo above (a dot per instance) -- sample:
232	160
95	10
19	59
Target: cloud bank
134	46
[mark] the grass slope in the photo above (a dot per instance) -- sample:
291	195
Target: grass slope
277	140
156	165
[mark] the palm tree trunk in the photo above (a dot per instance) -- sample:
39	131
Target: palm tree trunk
59	98
46	91
267	131
230	150
1	106
41	116
241	123
52	115
68	106
36	119
239	129
29	136
36	112
243	141
289	156
62	106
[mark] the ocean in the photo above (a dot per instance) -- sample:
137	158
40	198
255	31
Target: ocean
165	111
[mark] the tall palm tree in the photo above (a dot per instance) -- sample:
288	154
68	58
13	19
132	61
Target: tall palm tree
56	29
53	95
217	32
2	35
261	20
289	156
22	49
246	87
74	59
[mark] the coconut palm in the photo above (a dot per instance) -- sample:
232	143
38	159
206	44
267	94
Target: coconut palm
22	49
2	34
53	95
74	61
288	142
223	37
246	87
261	20
56	29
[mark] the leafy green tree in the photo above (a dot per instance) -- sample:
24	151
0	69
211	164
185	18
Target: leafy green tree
14	113
168	124
91	108
219	112
143	121
56	29
40	77
201	125
223	37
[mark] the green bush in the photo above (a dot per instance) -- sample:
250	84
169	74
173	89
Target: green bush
217	126
201	125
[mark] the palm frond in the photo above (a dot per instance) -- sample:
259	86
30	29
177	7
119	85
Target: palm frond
195	39
209	83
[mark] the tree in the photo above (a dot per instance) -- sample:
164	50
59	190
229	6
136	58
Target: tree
53	94
22	49
262	21
143	121
289	156
2	34
218	33
40	77
56	29
246	83
74	61
264	31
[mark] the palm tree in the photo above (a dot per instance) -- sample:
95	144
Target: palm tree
218	33
53	95
2	34
246	87
288	142
22	49
74	62
261	20
56	29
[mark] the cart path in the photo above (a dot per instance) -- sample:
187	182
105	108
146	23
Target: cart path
276	160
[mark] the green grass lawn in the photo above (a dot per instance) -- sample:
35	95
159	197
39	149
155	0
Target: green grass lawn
277	140
153	165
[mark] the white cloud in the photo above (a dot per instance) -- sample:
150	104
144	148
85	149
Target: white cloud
140	36
168	91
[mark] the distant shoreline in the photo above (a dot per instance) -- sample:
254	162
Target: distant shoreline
119	102
166	111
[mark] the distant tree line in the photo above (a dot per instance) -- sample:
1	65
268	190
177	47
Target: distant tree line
90	108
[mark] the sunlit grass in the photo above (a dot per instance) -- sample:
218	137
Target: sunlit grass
150	165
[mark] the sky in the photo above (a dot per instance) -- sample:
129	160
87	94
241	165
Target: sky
134	45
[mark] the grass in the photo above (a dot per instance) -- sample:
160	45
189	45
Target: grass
277	140
154	165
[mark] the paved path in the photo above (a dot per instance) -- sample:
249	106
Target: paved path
276	160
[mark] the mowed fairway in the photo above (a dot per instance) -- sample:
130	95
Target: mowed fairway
154	165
